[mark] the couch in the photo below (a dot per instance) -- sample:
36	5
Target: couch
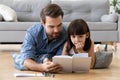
28	12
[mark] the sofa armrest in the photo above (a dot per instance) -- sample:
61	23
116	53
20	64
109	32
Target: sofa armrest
118	28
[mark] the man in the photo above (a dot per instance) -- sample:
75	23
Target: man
43	41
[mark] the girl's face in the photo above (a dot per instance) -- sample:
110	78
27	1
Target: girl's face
76	39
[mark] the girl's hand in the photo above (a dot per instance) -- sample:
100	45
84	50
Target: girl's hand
79	47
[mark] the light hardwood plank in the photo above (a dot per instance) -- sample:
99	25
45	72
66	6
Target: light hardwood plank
112	73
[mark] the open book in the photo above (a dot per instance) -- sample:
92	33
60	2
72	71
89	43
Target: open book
75	63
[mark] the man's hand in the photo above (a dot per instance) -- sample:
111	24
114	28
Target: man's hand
49	66
47	60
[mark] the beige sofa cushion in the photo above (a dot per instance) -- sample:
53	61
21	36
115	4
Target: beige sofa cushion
0	17
100	26
29	10
16	26
86	9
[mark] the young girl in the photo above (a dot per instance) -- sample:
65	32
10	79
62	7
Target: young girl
78	40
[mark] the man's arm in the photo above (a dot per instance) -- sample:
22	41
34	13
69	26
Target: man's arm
28	55
59	51
32	65
47	66
28	52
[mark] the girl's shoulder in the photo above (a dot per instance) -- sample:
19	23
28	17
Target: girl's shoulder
92	42
91	47
91	50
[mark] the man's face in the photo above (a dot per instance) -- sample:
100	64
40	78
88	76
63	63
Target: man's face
53	27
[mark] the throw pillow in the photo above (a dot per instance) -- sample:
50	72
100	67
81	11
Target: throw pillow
109	18
0	17
8	13
103	59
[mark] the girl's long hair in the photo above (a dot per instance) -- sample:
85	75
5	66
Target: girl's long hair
78	27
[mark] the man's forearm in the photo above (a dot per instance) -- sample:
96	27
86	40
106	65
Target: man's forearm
32	65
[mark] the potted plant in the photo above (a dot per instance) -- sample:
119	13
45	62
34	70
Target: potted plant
116	6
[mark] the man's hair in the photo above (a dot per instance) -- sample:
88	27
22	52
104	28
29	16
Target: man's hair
52	10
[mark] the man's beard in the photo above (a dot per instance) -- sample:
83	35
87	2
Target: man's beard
54	35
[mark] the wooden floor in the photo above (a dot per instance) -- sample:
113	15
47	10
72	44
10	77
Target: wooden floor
7	71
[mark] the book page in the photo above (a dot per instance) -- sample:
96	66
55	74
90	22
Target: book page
81	64
64	61
81	55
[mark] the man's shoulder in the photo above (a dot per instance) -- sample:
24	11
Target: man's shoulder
64	27
64	31
35	27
